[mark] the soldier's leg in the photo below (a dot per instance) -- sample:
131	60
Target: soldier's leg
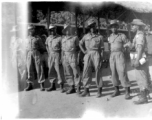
114	76
51	72
39	69
98	76
29	65
87	75
58	71
122	72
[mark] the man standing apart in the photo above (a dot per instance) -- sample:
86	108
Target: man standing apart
92	59
34	50
53	45
141	69
70	47
117	60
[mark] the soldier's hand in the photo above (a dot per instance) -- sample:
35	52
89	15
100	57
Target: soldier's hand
85	52
136	64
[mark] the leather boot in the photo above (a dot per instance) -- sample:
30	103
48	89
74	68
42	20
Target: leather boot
42	86
99	93
62	88
142	99
71	90
29	87
116	92
127	94
52	87
85	92
78	90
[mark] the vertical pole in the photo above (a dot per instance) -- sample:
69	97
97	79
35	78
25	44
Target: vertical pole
48	19
98	23
76	22
83	25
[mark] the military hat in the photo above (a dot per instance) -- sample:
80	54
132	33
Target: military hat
113	22
51	26
14	29
91	22
66	26
138	22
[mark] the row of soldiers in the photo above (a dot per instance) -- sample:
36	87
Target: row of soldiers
65	50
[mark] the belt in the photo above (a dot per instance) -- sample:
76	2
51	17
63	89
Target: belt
116	51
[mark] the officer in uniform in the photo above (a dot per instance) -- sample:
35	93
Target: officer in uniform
92	59
117	60
70	47
34	49
53	45
140	63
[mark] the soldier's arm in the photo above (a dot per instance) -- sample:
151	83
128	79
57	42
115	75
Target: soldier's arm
46	44
140	44
101	45
77	44
81	45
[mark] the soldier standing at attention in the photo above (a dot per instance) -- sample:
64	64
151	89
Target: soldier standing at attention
140	63
70	47
53	45
92	59
34	49
117	60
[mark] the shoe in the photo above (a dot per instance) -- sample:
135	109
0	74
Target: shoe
62	88
99	93
29	87
142	99
52	87
85	92
71	90
116	92
42	86
127	94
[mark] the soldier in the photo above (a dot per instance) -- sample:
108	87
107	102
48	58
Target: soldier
70	46
34	49
117	60
53	45
92	59
140	63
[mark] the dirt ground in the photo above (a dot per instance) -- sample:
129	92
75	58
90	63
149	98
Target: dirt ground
38	104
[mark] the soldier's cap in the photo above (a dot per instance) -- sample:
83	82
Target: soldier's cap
66	26
14	29
30	27
91	22
138	22
51	26
113	22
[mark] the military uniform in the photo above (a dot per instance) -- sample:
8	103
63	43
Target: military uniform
117	60
142	72
71	71
93	43
54	46
35	47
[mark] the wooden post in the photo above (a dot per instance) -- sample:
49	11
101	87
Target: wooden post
48	19
83	25
98	23
76	25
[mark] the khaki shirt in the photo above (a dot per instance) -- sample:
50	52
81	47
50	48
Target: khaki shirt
35	43
139	39
54	43
70	43
117	41
92	42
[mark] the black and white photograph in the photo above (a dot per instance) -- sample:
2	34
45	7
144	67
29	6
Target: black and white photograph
76	59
